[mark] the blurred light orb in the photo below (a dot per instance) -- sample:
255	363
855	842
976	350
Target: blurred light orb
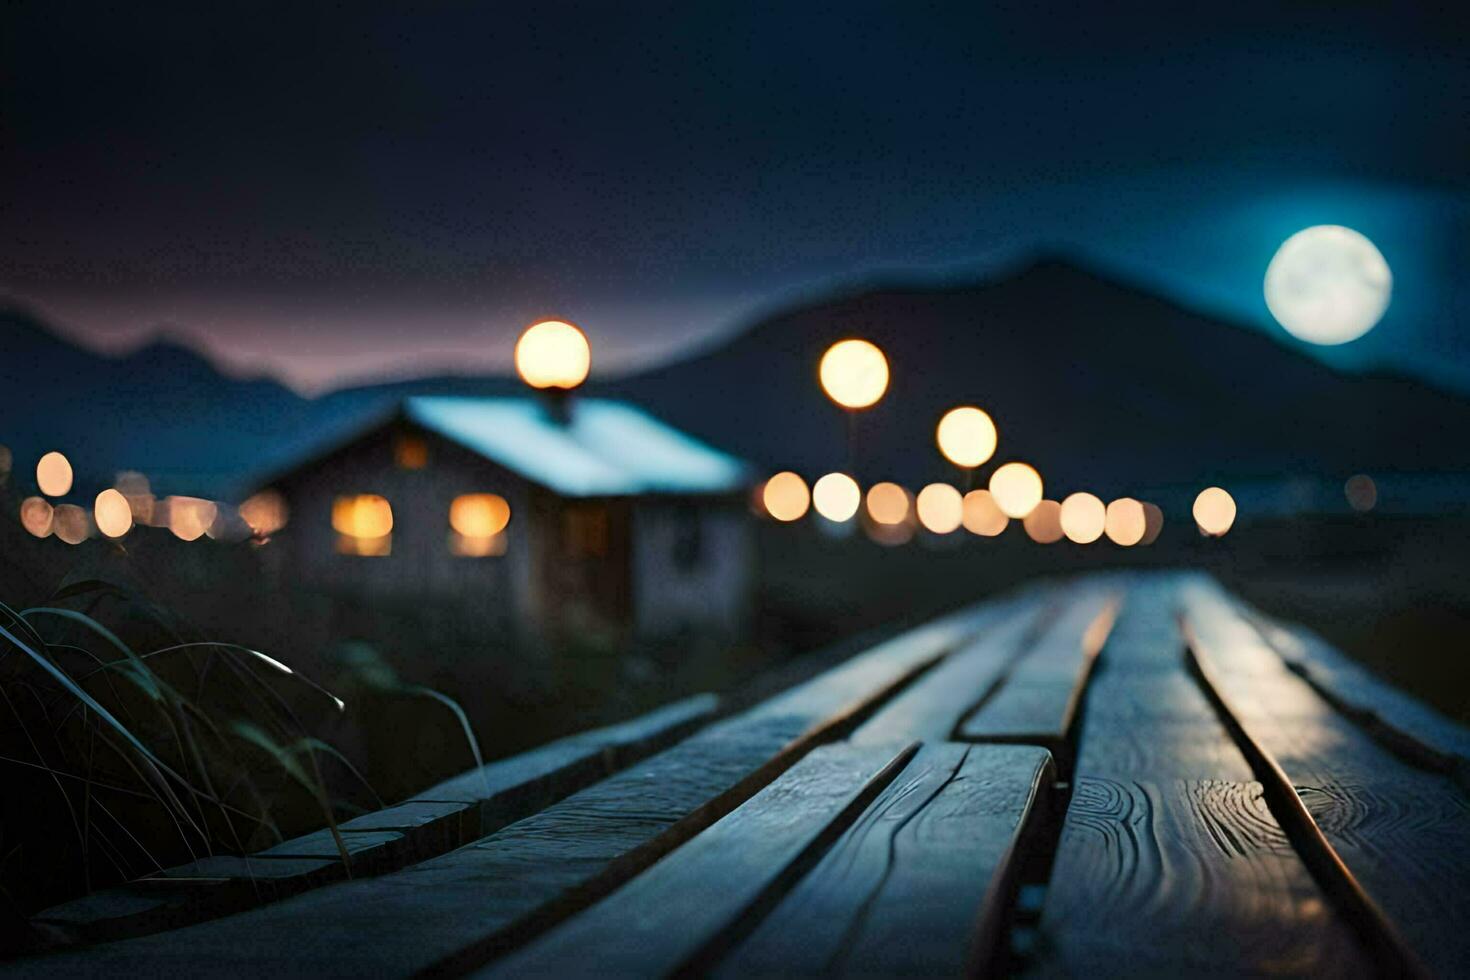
888	503
1328	285
940	507
36	516
966	436
982	516
553	354
1016	488
113	513
854	373
1214	511
1361	492
53	475
190	517
71	524
266	513
786	497
837	497
1153	517
479	515
1084	517
1126	522
1043	523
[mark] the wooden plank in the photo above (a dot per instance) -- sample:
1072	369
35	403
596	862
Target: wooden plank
1171	869
650	927
460	910
1401	832
933	706
919	884
1038	701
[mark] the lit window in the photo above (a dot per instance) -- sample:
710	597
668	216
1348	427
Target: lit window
477	523
584	531
410	452
364	524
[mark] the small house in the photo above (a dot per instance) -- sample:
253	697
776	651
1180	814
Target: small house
557	516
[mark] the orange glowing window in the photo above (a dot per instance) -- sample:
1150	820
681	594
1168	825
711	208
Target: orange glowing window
410	452
364	524
585	531
477	522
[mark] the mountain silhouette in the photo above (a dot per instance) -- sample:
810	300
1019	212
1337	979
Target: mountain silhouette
1100	384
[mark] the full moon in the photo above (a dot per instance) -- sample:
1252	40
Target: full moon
1328	285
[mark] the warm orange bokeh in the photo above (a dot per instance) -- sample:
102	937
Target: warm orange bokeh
940	508
553	354
854	373
1044	522
113	514
266	513
1154	523
982	516
53	475
71	524
190	518
363	515
786	497
36	516
837	497
1126	522
479	515
1214	511
888	503
1016	488
966	436
1083	517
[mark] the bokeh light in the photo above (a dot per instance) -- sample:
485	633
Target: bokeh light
553	354
362	515
36	516
966	436
266	513
1016	488
888	503
135	487
982	516
53	475
854	373
1153	517
1083	517
940	508
1126	522
71	524
1043	523
190	517
837	497
1361	492
479	515
113	514
786	497
1328	285
1214	511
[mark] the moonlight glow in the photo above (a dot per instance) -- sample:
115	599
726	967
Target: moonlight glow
1328	285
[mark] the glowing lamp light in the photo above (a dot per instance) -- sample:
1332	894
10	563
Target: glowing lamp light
1016	488
190	518
53	475
786	497
888	503
854	373
837	497
1214	511
113	513
982	516
940	507
71	524
1328	285
966	436
1083	517
553	354
36	516
363	515
1044	522
265	513
1126	522
479	515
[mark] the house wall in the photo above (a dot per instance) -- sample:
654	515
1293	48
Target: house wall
420	564
713	594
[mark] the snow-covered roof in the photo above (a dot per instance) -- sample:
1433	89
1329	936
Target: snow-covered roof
605	448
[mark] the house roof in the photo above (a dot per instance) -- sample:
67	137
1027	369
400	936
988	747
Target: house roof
605	448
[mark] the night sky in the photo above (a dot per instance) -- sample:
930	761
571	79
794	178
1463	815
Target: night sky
331	194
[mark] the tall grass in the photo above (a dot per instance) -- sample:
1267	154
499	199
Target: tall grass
122	760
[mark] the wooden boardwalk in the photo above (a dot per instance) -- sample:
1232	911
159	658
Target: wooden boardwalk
1116	776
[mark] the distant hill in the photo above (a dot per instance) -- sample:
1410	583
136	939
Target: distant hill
1100	384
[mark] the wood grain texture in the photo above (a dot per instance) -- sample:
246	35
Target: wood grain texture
651	927
1169	861
918	885
933	706
1402	831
